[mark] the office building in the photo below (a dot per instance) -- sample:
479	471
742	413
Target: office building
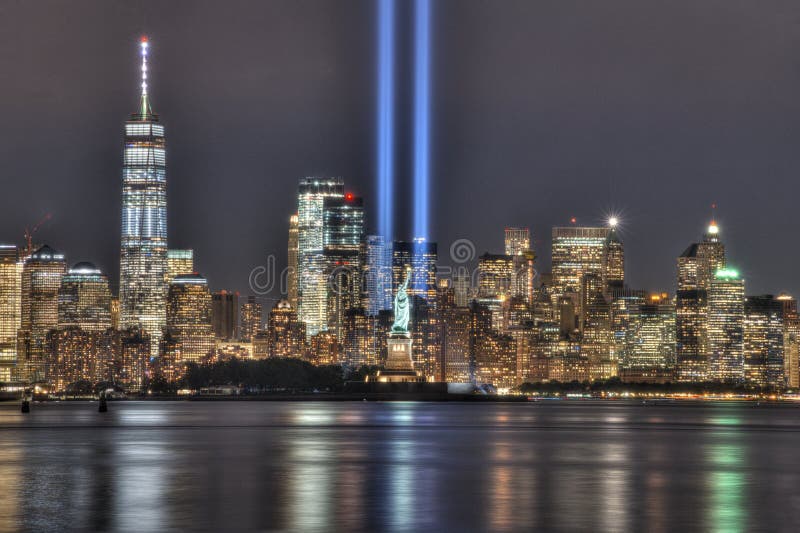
143	258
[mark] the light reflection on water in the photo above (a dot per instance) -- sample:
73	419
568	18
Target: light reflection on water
316	466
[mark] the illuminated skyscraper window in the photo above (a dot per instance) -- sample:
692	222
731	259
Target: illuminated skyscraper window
143	258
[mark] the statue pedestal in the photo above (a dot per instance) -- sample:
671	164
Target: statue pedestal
399	363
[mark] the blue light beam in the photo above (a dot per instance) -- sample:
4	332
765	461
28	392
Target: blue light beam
422	117
385	118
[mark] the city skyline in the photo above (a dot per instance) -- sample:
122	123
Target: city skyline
257	201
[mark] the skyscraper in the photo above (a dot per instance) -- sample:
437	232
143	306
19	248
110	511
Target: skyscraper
291	271
311	283
343	231
285	332
41	281
495	274
576	251
726	327
189	316
250	322
614	259
764	340
143	258
376	275
10	292
225	314
517	241
518	247
650	339
696	268
179	262
84	299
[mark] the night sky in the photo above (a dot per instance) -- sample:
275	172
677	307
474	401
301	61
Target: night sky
541	110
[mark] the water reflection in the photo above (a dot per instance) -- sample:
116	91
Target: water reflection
399	466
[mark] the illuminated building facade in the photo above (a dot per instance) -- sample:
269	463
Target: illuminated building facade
764	341
614	260
576	251
114	308
376	274
697	266
84	299
495	276
649	354
250	322
312	287
78	354
726	327
291	271
518	246
286	333
343	232
225	314
360	340
143	258
189	316
325	348
10	308
493	356
179	262
131	358
41	281
791	340
455	322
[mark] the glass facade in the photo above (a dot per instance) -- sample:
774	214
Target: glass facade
84	299
189	316
41	281
312	294
143	258
179	262
10	293
726	327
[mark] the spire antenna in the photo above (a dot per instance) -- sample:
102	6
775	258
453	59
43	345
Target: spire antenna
145	105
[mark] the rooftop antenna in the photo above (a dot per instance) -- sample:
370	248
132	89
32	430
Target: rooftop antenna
145	107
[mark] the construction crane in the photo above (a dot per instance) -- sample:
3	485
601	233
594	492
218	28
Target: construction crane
30	232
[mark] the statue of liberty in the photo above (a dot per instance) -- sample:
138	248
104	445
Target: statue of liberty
401	306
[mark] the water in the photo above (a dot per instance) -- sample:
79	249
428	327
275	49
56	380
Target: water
358	466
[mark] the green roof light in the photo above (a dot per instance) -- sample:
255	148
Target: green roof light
727	273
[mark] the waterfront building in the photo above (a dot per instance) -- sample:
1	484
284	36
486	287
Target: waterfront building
764	341
649	337
726	326
40	283
791	340
143	257
189	317
10	308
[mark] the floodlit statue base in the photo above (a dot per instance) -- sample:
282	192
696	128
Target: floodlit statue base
399	363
